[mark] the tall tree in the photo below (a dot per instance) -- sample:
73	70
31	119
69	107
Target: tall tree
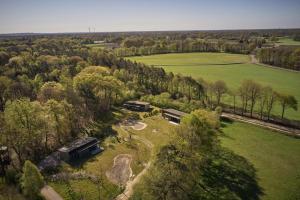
287	101
25	128
220	89
31	181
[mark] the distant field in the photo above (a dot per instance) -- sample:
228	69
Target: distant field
96	46
232	68
287	41
275	157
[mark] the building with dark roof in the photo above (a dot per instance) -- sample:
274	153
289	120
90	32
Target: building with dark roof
137	105
79	148
172	115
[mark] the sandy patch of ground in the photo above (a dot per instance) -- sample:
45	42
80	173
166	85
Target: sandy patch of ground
121	171
135	125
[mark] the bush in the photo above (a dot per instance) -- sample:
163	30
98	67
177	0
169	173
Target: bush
152	113
31	181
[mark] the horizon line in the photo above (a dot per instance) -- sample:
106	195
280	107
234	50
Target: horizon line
136	31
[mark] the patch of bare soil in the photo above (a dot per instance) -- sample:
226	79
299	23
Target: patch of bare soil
136	125
121	171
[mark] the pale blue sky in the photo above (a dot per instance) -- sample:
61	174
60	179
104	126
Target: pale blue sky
145	15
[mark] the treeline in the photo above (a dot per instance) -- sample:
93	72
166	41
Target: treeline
195	166
138	47
251	99
285	57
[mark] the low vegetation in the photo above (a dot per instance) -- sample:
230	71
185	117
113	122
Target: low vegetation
272	154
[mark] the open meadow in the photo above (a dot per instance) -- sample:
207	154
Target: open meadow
274	156
287	41
232	68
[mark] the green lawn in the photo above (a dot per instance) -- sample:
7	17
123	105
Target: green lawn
287	41
275	157
223	66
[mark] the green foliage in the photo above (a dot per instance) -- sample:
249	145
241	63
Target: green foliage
231	68
25	122
194	166
31	181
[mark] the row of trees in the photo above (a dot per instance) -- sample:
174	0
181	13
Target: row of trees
185	46
250	97
285	57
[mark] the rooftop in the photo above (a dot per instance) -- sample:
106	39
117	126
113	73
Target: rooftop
138	102
78	143
175	112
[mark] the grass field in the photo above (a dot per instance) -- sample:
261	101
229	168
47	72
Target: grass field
287	41
275	157
232	68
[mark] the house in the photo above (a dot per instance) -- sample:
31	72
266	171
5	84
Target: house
172	115
137	105
80	148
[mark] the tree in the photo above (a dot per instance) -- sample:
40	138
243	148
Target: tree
270	100
244	91
25	124
51	90
59	115
31	181
98	88
220	89
287	101
254	90
4	57
4	85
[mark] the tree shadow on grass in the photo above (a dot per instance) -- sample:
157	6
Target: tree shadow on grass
225	172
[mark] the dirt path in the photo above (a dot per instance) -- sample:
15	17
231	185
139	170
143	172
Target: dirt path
121	171
282	129
50	194
131	183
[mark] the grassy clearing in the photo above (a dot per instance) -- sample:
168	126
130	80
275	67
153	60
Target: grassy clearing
287	41
157	132
96	46
222	66
275	156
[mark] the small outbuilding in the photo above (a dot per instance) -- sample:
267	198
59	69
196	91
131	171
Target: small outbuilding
172	115
137	105
80	148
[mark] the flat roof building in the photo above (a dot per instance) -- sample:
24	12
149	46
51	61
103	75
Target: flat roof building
79	148
137	105
172	115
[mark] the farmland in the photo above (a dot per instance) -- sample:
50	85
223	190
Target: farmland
232	68
272	154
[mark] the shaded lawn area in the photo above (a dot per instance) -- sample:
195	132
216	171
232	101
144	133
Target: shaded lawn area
275	156
223	66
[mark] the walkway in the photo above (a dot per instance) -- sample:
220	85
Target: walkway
282	129
50	194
